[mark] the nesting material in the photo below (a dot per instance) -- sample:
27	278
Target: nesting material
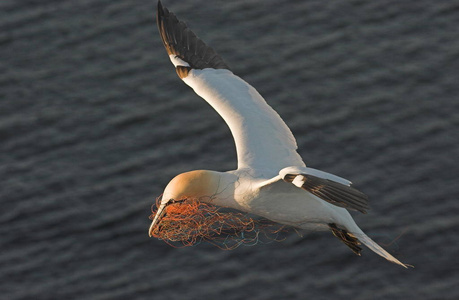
190	221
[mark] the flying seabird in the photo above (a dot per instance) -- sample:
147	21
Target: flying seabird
271	179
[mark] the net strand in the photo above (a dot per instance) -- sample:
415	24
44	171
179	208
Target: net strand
189	222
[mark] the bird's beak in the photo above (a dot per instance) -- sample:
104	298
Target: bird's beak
159	214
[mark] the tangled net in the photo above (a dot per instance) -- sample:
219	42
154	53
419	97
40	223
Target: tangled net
190	221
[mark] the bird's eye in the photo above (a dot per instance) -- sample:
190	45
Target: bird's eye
173	201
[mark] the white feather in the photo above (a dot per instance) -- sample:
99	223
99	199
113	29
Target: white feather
314	172
298	181
177	61
264	143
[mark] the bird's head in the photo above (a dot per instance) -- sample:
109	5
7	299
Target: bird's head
199	184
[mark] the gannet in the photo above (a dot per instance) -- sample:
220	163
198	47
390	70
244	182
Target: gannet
271	179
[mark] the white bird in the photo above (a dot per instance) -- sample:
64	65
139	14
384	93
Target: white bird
271	180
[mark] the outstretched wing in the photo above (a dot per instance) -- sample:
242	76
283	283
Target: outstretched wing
264	143
326	186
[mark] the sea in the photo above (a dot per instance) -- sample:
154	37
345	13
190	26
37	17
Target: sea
94	123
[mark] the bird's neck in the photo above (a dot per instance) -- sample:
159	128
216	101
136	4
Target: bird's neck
221	191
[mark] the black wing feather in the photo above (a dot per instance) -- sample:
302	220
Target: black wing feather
179	40
333	192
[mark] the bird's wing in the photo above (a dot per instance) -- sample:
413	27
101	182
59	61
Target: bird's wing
328	187
264	143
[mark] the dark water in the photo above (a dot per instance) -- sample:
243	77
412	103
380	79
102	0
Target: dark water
94	122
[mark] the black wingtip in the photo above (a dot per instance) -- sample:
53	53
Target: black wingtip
333	192
180	41
159	14
160	10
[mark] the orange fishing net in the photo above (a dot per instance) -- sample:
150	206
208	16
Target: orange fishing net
190	221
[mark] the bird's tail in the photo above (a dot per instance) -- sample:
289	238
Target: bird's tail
367	241
353	237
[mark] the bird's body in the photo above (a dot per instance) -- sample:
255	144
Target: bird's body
277	201
271	180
